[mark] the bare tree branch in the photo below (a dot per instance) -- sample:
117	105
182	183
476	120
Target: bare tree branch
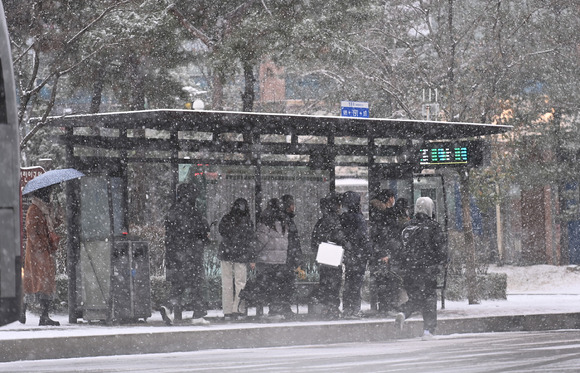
266	7
189	27
332	75
16	60
101	16
391	91
27	93
56	76
521	59
42	122
235	15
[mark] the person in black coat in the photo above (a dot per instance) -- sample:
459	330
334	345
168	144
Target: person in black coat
236	250
388	219
294	258
385	238
383	221
423	253
186	235
357	253
329	229
294	246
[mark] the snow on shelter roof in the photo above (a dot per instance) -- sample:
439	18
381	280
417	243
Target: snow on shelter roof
192	136
274	123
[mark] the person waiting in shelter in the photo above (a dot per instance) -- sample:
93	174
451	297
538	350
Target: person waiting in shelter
272	256
401	213
401	208
329	229
236	250
357	253
385	241
294	260
423	254
39	277
388	218
186	235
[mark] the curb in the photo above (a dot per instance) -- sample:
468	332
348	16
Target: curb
266	335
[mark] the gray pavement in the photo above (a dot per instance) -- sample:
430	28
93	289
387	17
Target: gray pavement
30	342
514	352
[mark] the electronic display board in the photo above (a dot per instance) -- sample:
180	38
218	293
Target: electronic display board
446	154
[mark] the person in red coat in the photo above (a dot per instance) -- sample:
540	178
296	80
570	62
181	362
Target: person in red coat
39	283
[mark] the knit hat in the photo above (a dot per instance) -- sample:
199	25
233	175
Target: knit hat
384	195
424	205
287	201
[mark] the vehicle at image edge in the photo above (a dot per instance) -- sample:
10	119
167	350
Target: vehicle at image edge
10	256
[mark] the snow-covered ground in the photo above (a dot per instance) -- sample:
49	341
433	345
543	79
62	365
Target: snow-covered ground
541	279
530	290
541	289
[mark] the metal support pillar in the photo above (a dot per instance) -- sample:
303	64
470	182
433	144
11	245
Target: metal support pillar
174	163
72	190
257	161
374	187
373	170
125	182
332	162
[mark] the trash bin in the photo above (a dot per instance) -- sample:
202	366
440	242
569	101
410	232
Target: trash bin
130	282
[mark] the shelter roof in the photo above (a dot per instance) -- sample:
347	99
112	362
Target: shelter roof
273	123
236	138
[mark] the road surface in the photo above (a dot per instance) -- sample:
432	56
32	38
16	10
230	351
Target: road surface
550	351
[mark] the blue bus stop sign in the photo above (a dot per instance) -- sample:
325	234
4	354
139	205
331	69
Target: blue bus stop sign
354	109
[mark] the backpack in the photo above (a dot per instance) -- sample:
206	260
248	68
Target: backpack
419	249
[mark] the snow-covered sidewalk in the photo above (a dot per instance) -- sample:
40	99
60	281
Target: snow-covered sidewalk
534	290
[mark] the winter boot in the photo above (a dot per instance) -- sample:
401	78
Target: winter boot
165	315
427	336
47	321
177	312
200	321
399	322
44	319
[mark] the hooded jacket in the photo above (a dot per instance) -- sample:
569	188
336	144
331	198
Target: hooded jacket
186	234
328	228
357	247
385	232
238	236
424	243
272	236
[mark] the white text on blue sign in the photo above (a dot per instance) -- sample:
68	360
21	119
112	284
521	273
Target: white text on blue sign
354	109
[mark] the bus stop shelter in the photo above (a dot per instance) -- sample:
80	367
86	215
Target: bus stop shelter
103	145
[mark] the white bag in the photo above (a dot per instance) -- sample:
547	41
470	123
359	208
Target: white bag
330	254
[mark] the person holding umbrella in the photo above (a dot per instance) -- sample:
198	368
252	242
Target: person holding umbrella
39	284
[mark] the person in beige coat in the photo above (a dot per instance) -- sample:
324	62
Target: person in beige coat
39	283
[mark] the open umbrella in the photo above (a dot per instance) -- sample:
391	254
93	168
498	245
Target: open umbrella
50	178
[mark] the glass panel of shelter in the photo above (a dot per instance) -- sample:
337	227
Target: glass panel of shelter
101	219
